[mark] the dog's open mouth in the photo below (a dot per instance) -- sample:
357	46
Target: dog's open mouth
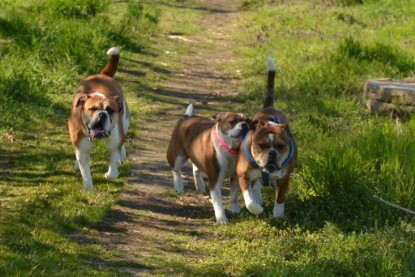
98	133
271	167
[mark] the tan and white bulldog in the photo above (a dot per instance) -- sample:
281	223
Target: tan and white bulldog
99	111
212	146
268	148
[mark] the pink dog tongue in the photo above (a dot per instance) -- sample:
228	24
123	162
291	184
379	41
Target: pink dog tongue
95	132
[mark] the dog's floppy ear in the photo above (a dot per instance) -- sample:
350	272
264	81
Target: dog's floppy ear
245	117
283	126
256	124
118	100
80	100
219	116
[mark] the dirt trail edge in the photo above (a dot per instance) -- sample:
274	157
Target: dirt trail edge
149	213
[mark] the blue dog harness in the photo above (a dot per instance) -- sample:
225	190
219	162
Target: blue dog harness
265	175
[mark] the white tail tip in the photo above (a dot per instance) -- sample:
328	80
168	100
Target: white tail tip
271	64
189	110
113	51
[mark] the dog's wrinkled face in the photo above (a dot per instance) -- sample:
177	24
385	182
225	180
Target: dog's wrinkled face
270	145
232	127
99	114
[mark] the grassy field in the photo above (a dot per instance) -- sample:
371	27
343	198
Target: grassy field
324	51
47	48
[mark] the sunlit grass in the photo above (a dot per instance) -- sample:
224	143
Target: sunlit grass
44	57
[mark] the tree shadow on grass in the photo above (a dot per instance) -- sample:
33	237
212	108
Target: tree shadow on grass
23	251
350	210
21	168
217	7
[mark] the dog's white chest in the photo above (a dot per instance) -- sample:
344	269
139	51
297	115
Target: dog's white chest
280	174
255	174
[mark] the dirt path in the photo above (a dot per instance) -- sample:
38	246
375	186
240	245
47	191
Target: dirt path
149	212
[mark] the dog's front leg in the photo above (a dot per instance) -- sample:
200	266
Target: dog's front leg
116	149
234	195
279	205
123	154
199	183
177	173
250	201
256	192
82	160
216	196
113	167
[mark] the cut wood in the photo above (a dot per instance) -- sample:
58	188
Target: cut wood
387	95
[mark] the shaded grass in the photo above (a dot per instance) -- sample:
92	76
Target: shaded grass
43	58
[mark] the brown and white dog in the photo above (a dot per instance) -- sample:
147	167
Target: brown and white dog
99	111
212	146
268	148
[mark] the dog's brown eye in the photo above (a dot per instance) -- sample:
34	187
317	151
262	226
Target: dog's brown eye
279	146
263	146
233	122
109	110
93	109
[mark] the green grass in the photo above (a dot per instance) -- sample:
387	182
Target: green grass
322	67
334	226
45	53
324	54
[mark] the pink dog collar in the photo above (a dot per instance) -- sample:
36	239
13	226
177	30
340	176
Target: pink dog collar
222	144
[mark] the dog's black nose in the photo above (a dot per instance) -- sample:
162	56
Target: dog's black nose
272	155
102	116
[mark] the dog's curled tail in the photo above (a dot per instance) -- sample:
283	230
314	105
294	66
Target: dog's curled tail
189	111
269	99
112	64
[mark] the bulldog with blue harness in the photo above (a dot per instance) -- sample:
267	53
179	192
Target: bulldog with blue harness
268	151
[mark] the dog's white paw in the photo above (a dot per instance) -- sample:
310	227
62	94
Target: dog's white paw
254	208
279	210
178	181
88	185
251	204
111	175
179	187
221	220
